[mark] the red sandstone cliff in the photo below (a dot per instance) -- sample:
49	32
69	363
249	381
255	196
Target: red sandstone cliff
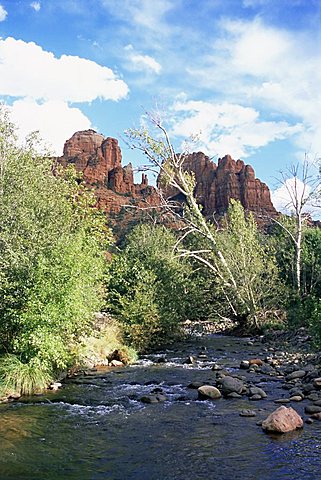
217	184
100	161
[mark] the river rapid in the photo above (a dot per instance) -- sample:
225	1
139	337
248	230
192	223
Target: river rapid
96	427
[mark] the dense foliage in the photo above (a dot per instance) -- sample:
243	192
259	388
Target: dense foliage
51	262
150	289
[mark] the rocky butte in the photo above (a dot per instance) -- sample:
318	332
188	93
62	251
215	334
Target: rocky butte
215	185
100	161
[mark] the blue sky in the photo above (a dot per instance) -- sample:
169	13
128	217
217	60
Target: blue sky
244	75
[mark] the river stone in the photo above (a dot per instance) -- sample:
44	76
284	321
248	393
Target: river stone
247	413
282	420
313	397
14	396
308	388
116	363
255	397
317	383
244	364
296	392
153	398
312	409
309	421
316	416
256	361
296	398
295	375
216	367
231	384
317	402
233	395
195	385
257	391
190	360
282	400
208	391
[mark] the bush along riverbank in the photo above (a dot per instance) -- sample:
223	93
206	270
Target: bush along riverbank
104	348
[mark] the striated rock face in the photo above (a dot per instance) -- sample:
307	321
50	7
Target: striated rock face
217	184
100	161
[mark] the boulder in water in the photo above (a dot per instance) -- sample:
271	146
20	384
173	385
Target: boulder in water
231	384
282	420
208	391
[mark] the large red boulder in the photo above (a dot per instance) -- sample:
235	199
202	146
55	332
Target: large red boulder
282	420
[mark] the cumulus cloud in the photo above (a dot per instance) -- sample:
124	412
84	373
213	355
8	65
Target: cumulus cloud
269	67
284	196
139	62
41	75
43	88
36	6
227	128
3	13
54	120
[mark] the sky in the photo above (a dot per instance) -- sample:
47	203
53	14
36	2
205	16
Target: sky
244	76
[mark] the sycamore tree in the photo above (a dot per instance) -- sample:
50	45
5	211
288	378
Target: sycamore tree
52	261
300	185
210	251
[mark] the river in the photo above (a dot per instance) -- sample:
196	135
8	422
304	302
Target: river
97	428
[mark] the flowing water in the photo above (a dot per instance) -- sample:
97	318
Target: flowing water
96	427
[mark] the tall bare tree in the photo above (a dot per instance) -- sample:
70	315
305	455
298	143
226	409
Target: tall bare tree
171	168
302	186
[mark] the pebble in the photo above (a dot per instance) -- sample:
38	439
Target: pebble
295	375
247	413
282	400
310	409
296	398
255	397
233	395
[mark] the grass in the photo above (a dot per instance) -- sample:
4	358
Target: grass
23	378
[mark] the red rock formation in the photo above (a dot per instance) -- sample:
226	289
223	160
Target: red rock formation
100	161
217	184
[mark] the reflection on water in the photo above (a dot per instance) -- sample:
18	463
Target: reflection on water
97	428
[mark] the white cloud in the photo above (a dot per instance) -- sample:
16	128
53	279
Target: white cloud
270	68
226	128
36	6
284	196
54	120
3	13
139	62
40	75
144	13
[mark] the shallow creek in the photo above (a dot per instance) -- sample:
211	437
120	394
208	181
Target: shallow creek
96	427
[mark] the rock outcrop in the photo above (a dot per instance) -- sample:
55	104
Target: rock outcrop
100	161
217	184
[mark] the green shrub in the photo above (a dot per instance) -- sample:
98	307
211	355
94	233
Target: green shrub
52	243
149	289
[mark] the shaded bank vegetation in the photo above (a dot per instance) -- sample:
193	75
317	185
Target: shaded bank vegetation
55	272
